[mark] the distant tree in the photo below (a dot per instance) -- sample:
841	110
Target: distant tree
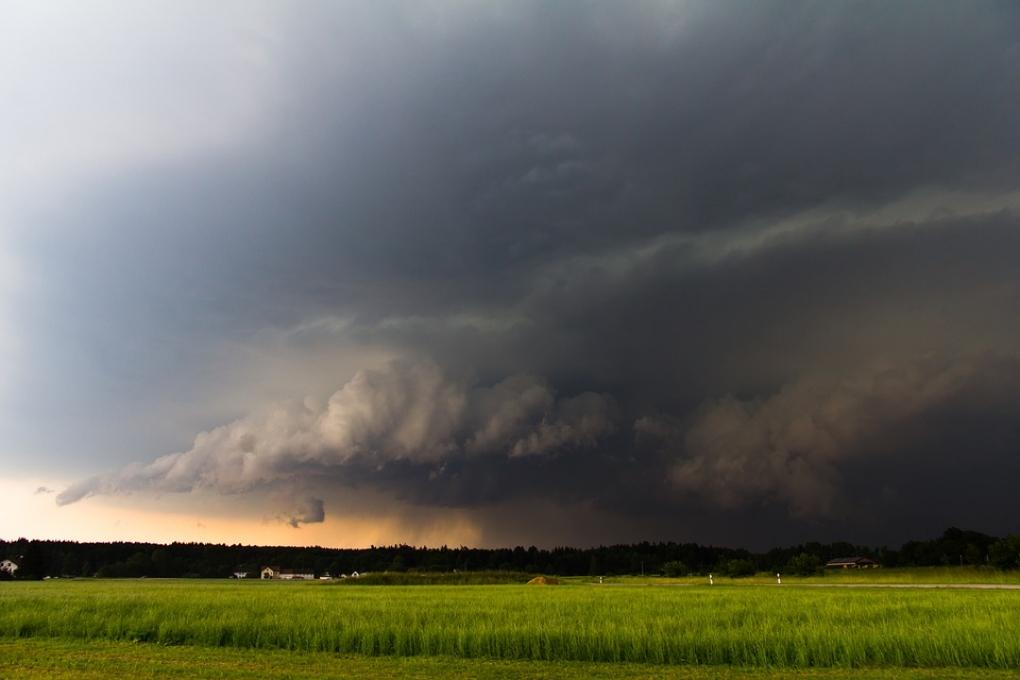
33	562
139	564
1005	553
674	568
804	564
69	565
128	559
738	567
973	554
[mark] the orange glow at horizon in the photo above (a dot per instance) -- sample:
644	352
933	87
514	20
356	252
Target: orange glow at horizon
25	513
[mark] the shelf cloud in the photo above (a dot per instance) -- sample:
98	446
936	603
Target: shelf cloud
405	412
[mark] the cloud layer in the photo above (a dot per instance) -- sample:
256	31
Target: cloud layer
698	270
407	412
789	446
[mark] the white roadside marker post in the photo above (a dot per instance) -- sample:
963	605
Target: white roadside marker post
779	579
710	581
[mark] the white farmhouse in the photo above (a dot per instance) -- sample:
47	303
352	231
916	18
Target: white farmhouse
287	574
8	567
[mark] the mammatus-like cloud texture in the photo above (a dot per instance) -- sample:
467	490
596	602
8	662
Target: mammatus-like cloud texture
407	411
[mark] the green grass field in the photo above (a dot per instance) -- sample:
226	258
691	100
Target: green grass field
481	631
63	660
834	577
34	659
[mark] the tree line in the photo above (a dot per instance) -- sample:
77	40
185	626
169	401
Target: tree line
39	559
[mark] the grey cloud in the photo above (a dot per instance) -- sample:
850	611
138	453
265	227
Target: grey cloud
521	414
409	411
790	447
308	510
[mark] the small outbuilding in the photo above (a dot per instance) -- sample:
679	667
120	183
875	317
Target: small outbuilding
852	563
8	567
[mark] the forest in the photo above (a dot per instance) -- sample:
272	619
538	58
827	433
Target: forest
39	559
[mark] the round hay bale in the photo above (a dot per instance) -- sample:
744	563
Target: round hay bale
544	581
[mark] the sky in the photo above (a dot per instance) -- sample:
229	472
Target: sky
499	273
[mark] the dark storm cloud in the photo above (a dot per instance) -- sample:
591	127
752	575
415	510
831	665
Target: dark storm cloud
707	260
426	167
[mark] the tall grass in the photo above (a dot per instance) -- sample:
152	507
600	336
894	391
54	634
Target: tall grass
775	627
432	578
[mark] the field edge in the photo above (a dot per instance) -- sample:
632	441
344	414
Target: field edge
62	659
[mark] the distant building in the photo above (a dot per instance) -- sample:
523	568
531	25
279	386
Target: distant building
277	573
240	574
852	563
8	567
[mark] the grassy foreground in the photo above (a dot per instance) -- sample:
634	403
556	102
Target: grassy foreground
71	660
768	627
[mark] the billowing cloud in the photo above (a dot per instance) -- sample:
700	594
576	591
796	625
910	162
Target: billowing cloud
407	412
523	416
790	447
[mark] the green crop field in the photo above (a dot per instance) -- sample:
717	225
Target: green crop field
505	630
835	577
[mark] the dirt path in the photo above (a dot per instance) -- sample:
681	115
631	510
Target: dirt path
970	586
928	586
